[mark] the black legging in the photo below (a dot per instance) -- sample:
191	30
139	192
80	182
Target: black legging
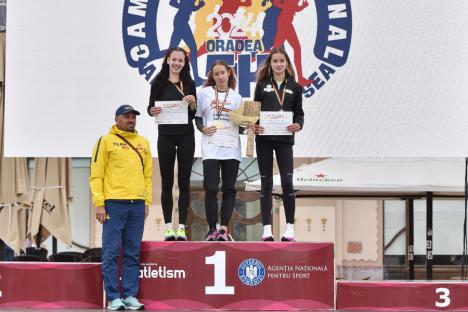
168	147
284	158
211	168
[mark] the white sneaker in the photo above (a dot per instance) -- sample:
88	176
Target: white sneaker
116	304
132	303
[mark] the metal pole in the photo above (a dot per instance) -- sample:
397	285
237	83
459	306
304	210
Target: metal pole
410	227
54	245
429	236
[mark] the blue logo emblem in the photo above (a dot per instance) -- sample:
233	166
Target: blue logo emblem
241	33
251	272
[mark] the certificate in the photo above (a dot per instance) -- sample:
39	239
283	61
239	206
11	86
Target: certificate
227	134
276	123
172	113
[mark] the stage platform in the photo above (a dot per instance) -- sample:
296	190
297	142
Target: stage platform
200	276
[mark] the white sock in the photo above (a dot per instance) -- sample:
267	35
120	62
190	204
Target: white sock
267	230
182	226
289	230
168	226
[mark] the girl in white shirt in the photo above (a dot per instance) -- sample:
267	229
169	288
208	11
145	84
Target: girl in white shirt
221	147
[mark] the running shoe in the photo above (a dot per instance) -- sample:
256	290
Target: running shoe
212	235
268	239
116	304
287	239
132	303
180	234
169	235
222	236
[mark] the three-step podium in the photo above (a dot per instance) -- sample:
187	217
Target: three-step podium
226	275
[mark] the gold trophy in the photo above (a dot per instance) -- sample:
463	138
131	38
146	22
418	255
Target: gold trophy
244	116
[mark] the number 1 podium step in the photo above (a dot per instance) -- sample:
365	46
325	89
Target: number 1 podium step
237	275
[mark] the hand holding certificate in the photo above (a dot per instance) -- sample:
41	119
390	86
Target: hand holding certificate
172	113
276	123
227	134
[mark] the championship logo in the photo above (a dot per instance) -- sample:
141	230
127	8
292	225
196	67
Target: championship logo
251	272
316	35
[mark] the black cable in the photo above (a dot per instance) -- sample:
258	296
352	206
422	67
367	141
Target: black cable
465	245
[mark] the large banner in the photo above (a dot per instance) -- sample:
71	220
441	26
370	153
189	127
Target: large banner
380	77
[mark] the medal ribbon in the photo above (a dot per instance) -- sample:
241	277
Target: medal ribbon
280	99
220	107
181	88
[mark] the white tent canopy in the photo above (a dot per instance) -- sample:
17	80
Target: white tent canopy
377	176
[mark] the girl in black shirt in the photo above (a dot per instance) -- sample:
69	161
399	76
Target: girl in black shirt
173	83
278	90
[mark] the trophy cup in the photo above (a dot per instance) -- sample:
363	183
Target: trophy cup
247	114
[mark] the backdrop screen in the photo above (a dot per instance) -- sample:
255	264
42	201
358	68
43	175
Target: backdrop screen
389	76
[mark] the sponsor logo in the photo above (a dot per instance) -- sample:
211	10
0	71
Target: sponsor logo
251	272
318	177
154	271
242	33
294	271
47	206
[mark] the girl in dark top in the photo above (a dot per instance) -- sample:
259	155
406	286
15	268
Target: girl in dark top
173	83
278	90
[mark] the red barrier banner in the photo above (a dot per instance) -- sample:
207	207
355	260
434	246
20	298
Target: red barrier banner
402	296
237	275
50	285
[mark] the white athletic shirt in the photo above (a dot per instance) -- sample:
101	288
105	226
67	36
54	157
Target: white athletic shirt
206	108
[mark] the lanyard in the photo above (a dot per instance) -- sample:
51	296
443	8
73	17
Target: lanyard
220	107
280	99
181	88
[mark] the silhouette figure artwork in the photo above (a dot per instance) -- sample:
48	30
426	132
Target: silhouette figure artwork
269	26
286	32
182	31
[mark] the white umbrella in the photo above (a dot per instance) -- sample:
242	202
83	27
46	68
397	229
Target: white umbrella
52	193
14	198
376	176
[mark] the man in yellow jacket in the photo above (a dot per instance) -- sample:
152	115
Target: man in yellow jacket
121	184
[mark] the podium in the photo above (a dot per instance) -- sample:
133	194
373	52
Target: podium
188	275
237	275
402	296
50	285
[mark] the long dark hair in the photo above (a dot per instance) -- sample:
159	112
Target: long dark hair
265	73
162	78
232	82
